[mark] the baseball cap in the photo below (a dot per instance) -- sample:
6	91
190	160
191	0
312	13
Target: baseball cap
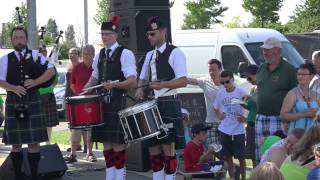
196	128
271	43
250	70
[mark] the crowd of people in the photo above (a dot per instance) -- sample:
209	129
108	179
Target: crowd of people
282	103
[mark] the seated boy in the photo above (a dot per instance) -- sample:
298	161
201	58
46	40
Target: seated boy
196	158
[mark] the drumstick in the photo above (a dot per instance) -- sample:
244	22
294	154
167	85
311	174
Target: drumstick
97	86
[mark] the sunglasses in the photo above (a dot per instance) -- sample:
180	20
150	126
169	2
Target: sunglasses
150	34
225	82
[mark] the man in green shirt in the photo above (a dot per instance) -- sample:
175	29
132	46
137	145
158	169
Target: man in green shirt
275	78
48	102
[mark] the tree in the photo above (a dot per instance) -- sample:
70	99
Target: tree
69	42
52	28
103	11
306	18
264	12
202	14
234	23
5	35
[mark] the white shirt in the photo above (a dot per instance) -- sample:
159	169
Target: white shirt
210	91
230	124
177	61
4	63
127	60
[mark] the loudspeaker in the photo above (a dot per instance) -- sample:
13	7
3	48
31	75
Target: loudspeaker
133	21
138	157
51	164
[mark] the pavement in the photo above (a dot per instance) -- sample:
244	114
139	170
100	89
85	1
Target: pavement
81	170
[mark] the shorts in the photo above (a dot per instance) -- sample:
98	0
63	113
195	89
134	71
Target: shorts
233	145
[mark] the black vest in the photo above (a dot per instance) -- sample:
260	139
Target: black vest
19	71
112	70
164	70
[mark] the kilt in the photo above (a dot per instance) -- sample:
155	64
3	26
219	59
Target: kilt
265	126
213	133
111	131
29	131
170	112
49	109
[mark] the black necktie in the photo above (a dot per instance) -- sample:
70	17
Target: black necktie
108	54
20	56
157	55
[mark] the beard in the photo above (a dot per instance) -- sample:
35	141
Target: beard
19	47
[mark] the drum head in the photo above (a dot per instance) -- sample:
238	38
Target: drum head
84	99
140	107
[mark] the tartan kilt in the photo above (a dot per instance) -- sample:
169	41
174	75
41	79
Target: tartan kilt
49	110
29	131
111	131
170	112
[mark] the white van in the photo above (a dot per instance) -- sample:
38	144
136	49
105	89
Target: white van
230	46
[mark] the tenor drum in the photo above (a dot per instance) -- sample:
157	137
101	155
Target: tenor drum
141	121
85	111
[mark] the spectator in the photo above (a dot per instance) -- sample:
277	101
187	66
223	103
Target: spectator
279	151
300	106
231	128
315	173
284	130
315	82
74	57
210	86
250	75
275	78
1	111
266	171
298	165
79	77
195	157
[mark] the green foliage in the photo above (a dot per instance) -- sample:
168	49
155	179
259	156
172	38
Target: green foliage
234	23
202	14
5	36
264	12
103	11
52	28
306	18
69	42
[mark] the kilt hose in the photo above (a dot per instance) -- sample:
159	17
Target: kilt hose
111	131
31	130
49	109
170	112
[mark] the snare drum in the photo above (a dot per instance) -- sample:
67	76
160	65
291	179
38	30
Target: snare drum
141	121
85	111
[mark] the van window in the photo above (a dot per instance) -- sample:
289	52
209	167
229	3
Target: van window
231	58
288	52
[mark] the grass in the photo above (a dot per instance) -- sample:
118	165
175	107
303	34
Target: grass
63	137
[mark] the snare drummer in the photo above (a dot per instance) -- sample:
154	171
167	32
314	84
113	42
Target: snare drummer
168	72
114	62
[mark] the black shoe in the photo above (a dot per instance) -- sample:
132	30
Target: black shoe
78	149
237	173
